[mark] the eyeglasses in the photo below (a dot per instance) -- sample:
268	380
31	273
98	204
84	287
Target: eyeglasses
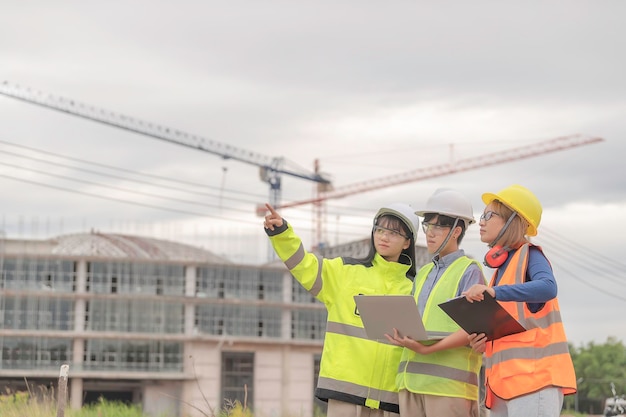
392	234
487	215
436	229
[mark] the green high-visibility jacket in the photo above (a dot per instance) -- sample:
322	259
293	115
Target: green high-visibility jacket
353	368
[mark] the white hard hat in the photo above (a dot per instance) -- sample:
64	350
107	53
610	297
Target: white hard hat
450	203
405	213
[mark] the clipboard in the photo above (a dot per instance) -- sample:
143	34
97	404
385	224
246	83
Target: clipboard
486	316
380	314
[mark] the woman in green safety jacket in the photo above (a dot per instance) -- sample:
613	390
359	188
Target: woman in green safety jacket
357	375
441	379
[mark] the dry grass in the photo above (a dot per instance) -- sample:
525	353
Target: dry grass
39	403
42	403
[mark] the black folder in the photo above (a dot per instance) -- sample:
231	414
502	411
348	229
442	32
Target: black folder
486	316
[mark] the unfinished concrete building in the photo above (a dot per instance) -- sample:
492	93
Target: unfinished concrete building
166	325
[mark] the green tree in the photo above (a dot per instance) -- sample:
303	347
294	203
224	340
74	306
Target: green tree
597	365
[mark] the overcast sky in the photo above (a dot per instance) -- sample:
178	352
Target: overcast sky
368	88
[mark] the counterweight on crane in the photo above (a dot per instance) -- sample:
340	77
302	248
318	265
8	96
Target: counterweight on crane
460	165
270	168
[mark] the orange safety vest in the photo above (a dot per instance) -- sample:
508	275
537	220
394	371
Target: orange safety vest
526	362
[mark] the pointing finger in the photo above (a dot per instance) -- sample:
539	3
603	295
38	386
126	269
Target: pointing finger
271	209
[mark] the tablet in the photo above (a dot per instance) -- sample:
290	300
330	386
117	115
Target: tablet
382	313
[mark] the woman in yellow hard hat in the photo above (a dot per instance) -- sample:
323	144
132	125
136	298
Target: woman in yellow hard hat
527	373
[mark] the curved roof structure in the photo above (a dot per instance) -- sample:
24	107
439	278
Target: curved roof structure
110	245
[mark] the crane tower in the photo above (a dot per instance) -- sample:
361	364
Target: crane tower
460	165
270	168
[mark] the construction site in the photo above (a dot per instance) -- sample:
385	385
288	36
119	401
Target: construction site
174	327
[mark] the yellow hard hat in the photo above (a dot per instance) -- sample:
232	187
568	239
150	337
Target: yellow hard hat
521	200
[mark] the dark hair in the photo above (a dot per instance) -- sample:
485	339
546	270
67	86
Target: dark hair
447	221
391	222
408	256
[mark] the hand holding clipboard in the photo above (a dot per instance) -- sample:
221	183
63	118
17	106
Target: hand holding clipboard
486	316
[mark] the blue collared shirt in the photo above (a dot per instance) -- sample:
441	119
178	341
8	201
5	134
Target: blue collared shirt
539	286
473	275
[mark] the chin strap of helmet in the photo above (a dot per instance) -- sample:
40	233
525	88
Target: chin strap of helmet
445	242
497	254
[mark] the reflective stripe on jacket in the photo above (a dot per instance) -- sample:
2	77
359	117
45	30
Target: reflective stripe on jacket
526	362
353	368
451	372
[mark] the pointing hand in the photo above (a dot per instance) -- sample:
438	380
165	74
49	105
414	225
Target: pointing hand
273	219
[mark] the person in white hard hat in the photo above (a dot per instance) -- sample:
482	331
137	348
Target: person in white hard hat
357	375
441	378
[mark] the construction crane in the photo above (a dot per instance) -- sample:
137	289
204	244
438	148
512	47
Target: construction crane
270	168
460	165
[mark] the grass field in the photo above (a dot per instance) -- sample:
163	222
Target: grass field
41	402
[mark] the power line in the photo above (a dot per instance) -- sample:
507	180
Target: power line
353	211
131	202
120	200
587	283
585	260
566	249
147	194
93	163
219	195
574	245
572	254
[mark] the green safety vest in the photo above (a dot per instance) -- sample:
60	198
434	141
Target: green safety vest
451	372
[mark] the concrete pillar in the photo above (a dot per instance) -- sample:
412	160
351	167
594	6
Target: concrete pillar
76	392
190	291
78	345
287	313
